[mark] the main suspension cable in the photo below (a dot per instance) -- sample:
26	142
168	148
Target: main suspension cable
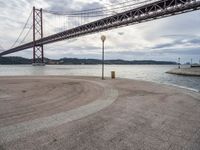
26	35
22	31
1	48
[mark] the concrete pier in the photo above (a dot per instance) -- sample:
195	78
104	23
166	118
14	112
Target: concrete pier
195	71
87	113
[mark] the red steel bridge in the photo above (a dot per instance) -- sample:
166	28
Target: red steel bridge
145	11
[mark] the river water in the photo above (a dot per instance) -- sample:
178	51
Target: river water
154	73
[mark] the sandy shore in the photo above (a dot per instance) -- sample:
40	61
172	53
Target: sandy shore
186	71
88	113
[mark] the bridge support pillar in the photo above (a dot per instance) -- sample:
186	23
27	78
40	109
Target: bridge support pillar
38	50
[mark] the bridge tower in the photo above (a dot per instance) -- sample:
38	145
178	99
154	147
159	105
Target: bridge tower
38	51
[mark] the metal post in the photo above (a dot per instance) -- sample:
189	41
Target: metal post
179	63
103	38
33	35
42	49
103	60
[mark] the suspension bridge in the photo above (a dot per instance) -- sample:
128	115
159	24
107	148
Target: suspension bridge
92	21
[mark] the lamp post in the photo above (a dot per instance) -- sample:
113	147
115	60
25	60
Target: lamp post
103	38
179	63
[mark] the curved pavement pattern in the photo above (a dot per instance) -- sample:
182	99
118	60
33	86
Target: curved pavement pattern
19	130
97	115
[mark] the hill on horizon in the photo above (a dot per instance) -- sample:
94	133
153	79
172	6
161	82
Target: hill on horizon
76	61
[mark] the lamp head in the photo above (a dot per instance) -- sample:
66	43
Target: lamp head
103	38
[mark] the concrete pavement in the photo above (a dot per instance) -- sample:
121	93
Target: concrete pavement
134	115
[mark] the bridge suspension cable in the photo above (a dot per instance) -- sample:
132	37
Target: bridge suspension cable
1	48
102	11
71	19
22	31
26	35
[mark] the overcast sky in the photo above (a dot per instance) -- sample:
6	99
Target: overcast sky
163	39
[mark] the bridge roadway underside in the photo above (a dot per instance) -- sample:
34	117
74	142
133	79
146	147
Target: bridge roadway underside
148	12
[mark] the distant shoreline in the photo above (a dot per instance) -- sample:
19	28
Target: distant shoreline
77	61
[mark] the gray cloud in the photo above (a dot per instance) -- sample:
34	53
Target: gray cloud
178	40
182	51
67	5
59	5
121	33
92	5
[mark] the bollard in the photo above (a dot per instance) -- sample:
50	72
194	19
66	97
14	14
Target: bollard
113	74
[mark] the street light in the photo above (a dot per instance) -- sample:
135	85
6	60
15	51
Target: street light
103	38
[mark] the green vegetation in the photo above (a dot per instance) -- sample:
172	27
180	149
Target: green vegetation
14	60
76	61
